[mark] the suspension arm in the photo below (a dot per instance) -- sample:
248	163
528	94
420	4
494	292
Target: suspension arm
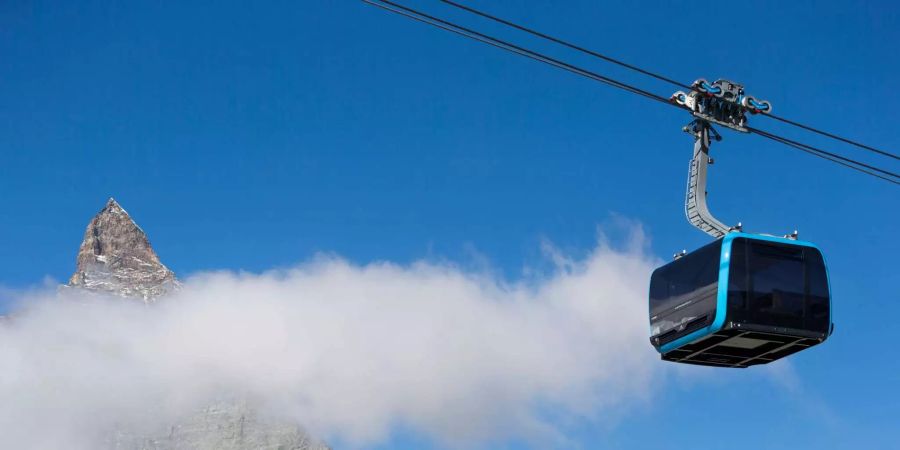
695	207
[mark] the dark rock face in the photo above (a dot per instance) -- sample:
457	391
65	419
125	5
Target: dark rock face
116	257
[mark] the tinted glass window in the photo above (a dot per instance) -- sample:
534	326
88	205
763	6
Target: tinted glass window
778	285
818	307
684	289
693	271
777	280
738	290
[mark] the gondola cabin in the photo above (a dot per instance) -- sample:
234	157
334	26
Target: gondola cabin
742	300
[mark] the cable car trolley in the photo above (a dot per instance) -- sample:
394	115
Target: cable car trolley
744	299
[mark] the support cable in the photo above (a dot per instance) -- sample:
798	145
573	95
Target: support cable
510	47
853	164
568	44
654	75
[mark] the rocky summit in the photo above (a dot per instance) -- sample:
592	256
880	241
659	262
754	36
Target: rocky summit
116	258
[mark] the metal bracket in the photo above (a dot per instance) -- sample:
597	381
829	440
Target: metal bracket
723	103
695	207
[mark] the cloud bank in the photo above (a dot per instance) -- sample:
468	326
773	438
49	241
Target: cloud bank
349	351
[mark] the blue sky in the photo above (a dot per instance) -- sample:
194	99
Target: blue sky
253	136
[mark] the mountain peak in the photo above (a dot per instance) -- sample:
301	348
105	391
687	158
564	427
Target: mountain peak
112	204
116	257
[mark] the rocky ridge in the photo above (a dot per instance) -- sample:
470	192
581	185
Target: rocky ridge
116	258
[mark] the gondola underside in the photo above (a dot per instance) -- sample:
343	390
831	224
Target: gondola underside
743	345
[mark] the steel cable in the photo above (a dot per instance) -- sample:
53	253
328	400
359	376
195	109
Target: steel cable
654	75
508	46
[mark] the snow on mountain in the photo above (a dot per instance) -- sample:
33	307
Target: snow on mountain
115	257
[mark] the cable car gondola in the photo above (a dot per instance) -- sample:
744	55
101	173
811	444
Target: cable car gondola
745	299
742	300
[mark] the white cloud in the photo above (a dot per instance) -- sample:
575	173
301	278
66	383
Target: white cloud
348	351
